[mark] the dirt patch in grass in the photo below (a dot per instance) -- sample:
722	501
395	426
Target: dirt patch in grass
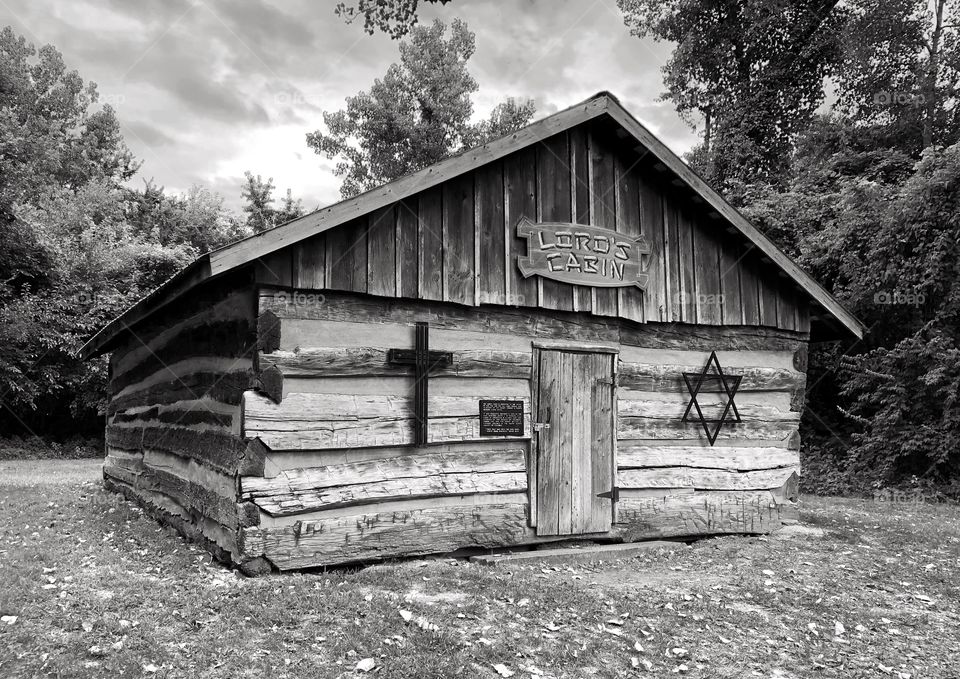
90	587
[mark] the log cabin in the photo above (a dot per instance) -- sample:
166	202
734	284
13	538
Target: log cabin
563	333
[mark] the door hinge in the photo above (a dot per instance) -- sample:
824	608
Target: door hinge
540	426
613	494
609	381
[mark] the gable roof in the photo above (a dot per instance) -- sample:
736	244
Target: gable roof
247	250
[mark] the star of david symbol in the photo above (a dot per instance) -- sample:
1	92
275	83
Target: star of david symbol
728	384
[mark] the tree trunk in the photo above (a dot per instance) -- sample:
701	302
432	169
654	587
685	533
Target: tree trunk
930	103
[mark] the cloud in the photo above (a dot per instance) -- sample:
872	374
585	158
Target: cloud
206	89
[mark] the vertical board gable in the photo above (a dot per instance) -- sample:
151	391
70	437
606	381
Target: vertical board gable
457	241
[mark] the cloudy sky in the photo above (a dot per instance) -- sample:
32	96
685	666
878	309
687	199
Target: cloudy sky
206	89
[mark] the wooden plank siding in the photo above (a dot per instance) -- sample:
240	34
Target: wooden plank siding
456	242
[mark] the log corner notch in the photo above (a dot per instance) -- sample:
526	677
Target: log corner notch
268	332
269	379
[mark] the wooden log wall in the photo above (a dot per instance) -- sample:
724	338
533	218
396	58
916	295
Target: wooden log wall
340	481
173	433
457	242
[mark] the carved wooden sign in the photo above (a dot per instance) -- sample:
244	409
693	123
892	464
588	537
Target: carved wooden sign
583	255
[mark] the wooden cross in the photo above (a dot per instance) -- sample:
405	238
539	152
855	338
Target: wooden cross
423	361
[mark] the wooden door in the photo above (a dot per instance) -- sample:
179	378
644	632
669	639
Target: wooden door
573	442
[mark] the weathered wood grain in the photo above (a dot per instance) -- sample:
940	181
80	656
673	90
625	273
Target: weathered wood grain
580	200
455	483
686	266
346	264
707	273
370	536
630	428
667	377
309	263
631	300
603	195
540	323
459	267
425	475
638	454
520	196
372	362
381	252
553	205
699	513
492	231
276	463
652	226
704	479
219	450
408	249
317	421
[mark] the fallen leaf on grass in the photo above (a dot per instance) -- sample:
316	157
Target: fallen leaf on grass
366	665
150	668
406	615
8	619
838	628
503	670
638	647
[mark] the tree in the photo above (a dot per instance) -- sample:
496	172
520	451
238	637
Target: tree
417	114
901	70
50	133
393	17
261	214
752	72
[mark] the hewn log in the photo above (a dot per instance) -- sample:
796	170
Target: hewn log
392	478
699	513
226	388
459	484
182	416
220	450
413	466
195	488
316	421
704	479
632	455
372	362
222	339
219	541
280	462
367	536
538	323
671	406
664	377
630	428
226	300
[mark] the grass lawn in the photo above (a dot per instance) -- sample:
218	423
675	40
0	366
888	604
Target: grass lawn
99	589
